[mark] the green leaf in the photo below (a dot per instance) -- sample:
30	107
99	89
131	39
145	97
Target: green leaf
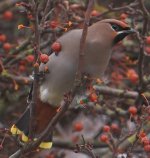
132	139
5	73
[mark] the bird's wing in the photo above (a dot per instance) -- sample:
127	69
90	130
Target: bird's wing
62	69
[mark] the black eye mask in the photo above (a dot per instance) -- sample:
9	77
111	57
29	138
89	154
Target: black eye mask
116	27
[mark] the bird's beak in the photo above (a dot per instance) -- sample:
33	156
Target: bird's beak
127	32
122	34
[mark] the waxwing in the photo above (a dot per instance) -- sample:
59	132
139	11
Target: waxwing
101	37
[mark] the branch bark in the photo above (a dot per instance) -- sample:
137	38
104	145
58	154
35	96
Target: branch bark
83	38
35	91
116	92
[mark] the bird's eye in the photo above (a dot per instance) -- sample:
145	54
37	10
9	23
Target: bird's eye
115	27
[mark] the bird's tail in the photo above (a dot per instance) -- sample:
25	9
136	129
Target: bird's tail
44	113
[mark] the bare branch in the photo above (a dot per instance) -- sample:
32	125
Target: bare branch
83	37
116	92
146	16
33	103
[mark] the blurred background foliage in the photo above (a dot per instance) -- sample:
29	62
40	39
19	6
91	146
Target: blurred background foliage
14	91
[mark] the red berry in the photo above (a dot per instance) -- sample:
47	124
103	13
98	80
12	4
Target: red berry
50	156
134	78
53	24
75	139
148	40
93	97
82	102
104	138
56	47
132	110
106	128
30	16
22	68
3	38
44	58
145	141
36	64
142	134
123	16
95	13
22	62
30	58
147	148
78	126
147	50
132	75
7	46
114	127
8	15
116	76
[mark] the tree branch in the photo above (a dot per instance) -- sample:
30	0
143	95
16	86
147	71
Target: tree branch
83	37
116	92
146	16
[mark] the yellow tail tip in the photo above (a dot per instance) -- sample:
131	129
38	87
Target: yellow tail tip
46	145
15	131
24	138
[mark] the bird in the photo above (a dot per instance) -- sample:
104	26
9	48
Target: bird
100	39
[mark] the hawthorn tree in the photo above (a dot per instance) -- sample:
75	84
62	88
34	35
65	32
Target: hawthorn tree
113	119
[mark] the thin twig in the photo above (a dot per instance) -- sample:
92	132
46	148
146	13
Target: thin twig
46	11
130	7
21	47
83	37
22	55
33	103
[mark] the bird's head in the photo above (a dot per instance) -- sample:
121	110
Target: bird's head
118	29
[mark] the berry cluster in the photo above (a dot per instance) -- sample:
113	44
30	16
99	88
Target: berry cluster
145	141
107	130
93	97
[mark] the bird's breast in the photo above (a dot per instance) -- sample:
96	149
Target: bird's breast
96	59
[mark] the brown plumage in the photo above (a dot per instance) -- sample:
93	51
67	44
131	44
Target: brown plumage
44	112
